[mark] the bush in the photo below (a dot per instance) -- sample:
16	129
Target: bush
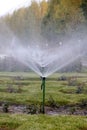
79	88
52	102
62	78
31	109
83	103
5	106
10	88
72	81
72	110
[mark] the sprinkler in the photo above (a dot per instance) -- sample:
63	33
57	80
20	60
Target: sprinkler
43	88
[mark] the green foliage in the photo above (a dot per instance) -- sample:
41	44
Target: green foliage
72	81
31	109
63	18
9	123
52	19
84	7
52	102
62	94
80	88
83	103
62	78
72	110
41	122
26	22
5	106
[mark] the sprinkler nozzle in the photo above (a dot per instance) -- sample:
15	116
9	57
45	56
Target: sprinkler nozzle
43	79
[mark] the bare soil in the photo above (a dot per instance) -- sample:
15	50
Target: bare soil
62	110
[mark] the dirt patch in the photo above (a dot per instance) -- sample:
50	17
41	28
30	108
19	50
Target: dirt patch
62	110
4	128
66	110
83	129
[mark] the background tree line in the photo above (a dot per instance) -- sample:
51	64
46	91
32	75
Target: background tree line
52	19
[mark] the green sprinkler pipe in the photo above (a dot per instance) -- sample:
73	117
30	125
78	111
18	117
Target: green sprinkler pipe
43	88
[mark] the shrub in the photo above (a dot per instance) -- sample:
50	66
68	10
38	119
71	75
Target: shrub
5	106
52	102
72	81
10	88
31	109
72	110
62	78
19	90
83	103
79	88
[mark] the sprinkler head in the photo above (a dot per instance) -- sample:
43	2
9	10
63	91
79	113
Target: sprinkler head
43	78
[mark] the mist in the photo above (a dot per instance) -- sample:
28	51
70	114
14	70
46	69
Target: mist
45	58
41	49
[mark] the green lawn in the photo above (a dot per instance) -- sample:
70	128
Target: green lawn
60	91
26	90
42	122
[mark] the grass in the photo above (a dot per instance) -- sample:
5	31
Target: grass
41	122
31	92
59	90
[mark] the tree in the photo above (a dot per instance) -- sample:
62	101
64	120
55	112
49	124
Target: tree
26	22
43	8
63	17
84	7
